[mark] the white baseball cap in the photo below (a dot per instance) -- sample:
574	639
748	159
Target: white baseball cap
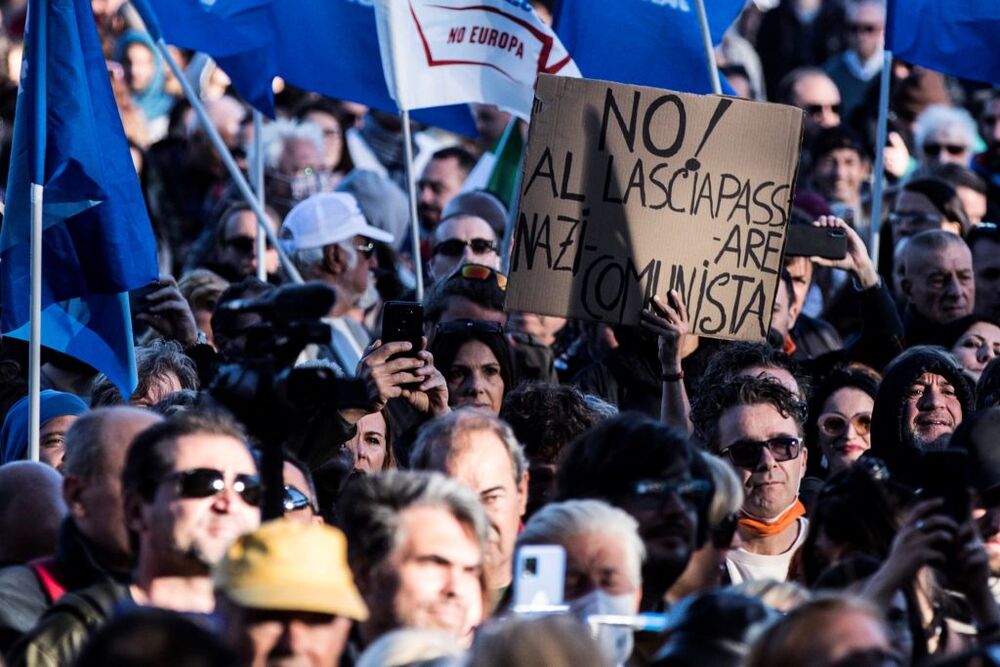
325	218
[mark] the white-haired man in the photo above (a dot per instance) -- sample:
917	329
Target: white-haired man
293	163
331	241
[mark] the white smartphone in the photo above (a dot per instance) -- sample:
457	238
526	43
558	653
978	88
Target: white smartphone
539	577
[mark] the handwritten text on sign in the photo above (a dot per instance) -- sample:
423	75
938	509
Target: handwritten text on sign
629	192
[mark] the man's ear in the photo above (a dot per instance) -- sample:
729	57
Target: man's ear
906	286
72	490
333	259
135	519
522	494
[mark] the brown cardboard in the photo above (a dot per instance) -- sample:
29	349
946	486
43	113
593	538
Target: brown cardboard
608	219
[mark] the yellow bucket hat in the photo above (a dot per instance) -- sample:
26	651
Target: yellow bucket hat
292	567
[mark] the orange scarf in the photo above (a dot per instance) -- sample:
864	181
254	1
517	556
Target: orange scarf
762	528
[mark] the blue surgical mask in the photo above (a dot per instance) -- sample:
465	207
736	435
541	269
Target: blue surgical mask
615	641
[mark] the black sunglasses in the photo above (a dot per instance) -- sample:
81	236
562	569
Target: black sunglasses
815	109
915	218
245	245
295	500
469	326
456	247
747	453
691	491
866	28
934	149
205	482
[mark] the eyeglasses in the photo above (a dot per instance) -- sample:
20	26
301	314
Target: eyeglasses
816	109
834	424
456	247
898	219
244	245
366	250
865	28
482	273
469	326
934	149
206	482
691	491
747	453
295	500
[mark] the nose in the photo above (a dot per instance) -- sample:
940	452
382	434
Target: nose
426	194
468	256
766	460
985	353
931	399
475	384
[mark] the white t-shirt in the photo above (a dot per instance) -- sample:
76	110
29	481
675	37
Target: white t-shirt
745	566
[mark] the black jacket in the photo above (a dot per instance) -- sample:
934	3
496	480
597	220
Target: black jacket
23	598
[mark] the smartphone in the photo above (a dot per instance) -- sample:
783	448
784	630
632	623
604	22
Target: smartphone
137	301
809	241
945	474
539	577
403	321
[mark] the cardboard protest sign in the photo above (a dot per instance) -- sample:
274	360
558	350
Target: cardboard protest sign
629	192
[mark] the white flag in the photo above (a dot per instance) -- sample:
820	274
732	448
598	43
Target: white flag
440	52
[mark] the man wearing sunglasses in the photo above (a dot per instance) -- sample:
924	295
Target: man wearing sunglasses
811	90
758	428
236	244
190	489
461	239
331	241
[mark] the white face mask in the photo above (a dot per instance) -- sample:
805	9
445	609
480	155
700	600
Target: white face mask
615	641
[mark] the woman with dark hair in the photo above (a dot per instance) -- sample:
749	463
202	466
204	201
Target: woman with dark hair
838	429
474	357
974	340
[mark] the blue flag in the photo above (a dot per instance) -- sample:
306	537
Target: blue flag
643	42
97	241
957	37
325	46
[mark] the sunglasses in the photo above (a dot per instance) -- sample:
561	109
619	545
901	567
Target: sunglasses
692	492
835	425
206	482
934	149
244	245
897	219
366	250
469	326
456	247
747	453
295	500
865	28
482	273
816	109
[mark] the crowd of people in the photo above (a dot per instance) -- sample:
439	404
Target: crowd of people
829	496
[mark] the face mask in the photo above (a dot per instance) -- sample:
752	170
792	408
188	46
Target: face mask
615	641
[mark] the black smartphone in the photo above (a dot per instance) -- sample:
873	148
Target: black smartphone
945	474
809	241
137	301
403	321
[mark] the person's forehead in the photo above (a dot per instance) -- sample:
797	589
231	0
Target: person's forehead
595	549
299	154
816	89
210	450
868	12
929	378
986	330
782	375
292	476
434	529
799	267
465	227
441	169
243	223
754	422
480	460
373	422
323	119
844	155
475	353
952	257
914	202
948	132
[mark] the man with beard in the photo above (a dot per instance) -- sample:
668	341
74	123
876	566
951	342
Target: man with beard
332	242
415	546
442	179
190	488
758	428
649	470
481	452
923	397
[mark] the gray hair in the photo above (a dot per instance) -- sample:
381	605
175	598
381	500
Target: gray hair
556	523
309	261
409	645
369	511
153	361
727	499
939	115
275	135
441	437
930	240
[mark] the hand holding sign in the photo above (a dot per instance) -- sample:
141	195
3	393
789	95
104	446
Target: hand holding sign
632	192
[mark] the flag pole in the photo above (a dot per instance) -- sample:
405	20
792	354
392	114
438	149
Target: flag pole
36	68
153	27
258	178
878	171
706	38
411	189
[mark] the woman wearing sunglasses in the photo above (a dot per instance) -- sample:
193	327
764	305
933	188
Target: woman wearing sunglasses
840	418
474	357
